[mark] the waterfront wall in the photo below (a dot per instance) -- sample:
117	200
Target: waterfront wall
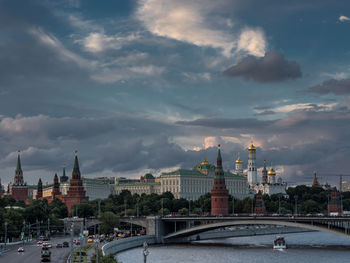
241	232
127	243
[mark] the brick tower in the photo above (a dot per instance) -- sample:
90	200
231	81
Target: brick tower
56	188
19	189
219	193
259	208
76	193
335	205
314	181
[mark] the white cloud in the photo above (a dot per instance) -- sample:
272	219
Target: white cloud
210	142
344	18
188	21
98	42
65	54
303	106
253	41
149	70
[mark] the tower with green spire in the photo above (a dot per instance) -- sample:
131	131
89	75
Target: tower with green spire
219	193
64	178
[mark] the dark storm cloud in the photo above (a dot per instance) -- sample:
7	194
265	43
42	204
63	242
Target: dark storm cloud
273	67
337	87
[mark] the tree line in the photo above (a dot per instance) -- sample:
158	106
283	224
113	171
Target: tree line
309	200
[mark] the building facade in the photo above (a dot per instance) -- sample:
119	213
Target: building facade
187	183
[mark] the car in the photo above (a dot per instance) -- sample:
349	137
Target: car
65	244
40	243
59	245
47	244
20	249
90	240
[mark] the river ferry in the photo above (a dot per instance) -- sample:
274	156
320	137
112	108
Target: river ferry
279	243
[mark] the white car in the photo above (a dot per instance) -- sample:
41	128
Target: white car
20	249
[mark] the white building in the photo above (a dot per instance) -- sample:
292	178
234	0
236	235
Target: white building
186	183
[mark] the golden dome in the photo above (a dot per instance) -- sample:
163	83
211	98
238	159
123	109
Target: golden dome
251	147
204	162
271	172
239	160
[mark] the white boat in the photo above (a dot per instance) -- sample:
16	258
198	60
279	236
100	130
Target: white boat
279	243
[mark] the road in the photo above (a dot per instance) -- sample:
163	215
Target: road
32	253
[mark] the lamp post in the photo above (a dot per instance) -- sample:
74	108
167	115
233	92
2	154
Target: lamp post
137	207
162	201
125	207
5	234
71	243
327	204
233	205
279	204
296	205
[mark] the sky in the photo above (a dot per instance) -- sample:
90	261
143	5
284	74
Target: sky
154	85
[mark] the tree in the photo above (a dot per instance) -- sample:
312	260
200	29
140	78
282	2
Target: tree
109	221
183	211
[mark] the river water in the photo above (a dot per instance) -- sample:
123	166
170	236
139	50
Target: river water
302	248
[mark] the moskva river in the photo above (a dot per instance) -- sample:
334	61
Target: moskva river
308	247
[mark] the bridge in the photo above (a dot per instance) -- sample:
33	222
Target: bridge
180	228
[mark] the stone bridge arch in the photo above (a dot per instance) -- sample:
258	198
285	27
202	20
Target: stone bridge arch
206	227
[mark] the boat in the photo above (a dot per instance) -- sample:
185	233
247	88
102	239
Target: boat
279	243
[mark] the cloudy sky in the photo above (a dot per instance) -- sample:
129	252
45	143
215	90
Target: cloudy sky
152	85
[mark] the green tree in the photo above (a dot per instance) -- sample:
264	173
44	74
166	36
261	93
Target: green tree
109	221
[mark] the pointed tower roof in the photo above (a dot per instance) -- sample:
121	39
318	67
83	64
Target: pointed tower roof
76	162
19	167
76	170
219	172
64	178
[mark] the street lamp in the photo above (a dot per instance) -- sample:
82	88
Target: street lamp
296	205
279	204
137	208
5	234
233	205
162	201
125	207
328	204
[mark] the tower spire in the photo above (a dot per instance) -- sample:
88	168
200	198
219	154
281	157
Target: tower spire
19	168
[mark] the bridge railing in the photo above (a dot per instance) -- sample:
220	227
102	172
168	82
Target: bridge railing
126	243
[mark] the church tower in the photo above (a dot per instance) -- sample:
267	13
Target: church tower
252	173
272	176
219	193
239	166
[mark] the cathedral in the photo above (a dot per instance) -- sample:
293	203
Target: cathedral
268	183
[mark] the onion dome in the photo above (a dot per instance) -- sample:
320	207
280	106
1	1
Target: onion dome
252	148
271	172
239	161
204	162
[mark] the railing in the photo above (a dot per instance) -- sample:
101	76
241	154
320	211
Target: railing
126	243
